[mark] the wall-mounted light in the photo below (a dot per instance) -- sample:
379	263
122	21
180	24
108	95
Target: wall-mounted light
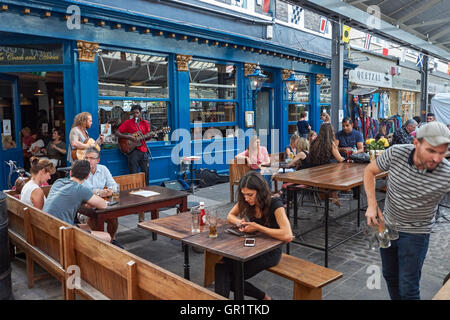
257	78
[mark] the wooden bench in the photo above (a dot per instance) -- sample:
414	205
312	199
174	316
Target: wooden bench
444	292
308	278
38	235
132	181
105	271
108	272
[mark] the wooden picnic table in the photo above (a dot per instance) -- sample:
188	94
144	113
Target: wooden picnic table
132	204
232	246
179	227
325	179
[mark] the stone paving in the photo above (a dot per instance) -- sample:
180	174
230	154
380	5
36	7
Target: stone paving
353	258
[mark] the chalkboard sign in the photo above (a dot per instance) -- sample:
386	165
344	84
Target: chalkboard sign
30	54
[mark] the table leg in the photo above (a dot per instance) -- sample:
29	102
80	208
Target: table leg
186	261
238	280
327	205
359	204
184	204
99	223
294	192
155	215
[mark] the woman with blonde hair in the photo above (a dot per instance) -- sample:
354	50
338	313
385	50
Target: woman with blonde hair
41	170
291	150
78	134
301	160
257	158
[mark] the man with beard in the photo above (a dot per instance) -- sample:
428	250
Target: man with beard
419	175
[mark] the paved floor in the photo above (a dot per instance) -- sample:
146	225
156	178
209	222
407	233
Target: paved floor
359	265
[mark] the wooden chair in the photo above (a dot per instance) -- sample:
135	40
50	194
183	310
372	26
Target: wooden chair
236	172
132	181
108	272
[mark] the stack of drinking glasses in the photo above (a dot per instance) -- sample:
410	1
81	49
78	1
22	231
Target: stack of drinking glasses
380	236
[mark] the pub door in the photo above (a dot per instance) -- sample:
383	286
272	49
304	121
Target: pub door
10	118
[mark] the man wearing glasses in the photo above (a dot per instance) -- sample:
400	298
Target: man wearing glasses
98	179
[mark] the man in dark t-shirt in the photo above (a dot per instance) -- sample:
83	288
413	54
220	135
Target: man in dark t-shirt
348	138
303	126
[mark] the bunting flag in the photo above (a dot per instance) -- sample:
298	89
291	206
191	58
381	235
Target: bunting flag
267	5
346	34
323	24
419	61
295	14
367	41
385	51
403	57
239	3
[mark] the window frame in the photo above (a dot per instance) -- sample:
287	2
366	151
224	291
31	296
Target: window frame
168	99
234	101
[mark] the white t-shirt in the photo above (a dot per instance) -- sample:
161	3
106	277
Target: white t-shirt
27	189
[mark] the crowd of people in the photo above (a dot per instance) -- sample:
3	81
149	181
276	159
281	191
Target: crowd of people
419	175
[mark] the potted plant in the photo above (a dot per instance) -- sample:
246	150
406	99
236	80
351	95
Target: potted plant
376	147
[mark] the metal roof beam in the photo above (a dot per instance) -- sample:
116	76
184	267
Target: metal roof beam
428	23
419	10
360	19
440	34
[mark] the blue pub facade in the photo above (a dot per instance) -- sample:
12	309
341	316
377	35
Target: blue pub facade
185	62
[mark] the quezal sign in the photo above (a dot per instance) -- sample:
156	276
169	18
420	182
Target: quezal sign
370	78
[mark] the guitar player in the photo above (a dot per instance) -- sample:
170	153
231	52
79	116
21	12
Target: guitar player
79	137
138	158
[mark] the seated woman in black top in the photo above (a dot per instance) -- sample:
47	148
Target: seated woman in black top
301	160
256	210
325	150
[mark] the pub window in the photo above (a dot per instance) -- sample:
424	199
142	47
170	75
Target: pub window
325	95
299	102
213	100
125	79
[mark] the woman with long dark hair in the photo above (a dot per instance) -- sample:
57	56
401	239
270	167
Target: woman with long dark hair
256	211
324	149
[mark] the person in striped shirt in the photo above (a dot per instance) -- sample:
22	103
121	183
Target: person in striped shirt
419	176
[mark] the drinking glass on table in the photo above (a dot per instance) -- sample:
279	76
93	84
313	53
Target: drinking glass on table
195	219
211	218
116	192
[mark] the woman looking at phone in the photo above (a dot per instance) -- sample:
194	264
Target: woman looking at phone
256	211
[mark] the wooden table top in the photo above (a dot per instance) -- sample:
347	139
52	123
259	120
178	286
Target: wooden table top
128	200
334	176
177	226
232	246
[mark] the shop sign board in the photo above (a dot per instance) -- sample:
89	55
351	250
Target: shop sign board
30	54
405	84
370	78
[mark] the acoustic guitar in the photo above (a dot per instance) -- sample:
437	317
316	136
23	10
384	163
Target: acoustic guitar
78	154
126	146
